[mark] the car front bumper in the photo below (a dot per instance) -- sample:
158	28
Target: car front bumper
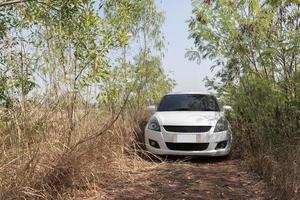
213	139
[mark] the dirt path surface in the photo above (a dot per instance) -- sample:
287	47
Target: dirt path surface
194	179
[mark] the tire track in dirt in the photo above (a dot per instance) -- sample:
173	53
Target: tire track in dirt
195	179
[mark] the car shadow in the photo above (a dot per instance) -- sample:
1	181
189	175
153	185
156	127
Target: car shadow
149	157
195	159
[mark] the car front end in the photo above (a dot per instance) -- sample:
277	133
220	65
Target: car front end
191	133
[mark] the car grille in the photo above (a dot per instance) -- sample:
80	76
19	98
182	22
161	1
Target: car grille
187	129
187	146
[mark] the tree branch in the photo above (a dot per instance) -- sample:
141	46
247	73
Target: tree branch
6	3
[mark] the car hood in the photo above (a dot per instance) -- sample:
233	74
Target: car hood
188	118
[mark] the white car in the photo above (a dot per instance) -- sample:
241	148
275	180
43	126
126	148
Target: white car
188	123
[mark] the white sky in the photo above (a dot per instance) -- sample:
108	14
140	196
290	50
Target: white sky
188	74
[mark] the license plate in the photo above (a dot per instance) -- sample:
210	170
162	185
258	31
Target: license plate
187	138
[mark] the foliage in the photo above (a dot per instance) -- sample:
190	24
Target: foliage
141	75
66	48
56	57
255	47
145	80
248	37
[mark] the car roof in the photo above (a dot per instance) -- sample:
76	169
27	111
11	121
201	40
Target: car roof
190	92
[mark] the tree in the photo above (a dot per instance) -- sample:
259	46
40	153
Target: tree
248	37
67	46
142	75
255	47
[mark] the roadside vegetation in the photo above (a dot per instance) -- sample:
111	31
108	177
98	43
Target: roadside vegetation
75	78
255	46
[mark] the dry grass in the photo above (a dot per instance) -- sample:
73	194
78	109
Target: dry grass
37	164
279	167
283	176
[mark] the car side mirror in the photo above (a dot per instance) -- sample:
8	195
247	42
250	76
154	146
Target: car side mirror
227	108
152	108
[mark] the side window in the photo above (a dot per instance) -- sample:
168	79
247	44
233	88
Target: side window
211	104
161	104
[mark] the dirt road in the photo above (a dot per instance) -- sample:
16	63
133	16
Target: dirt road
194	179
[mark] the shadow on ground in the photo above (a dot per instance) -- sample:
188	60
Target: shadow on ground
180	177
191	178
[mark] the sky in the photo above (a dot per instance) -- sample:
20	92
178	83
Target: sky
188	74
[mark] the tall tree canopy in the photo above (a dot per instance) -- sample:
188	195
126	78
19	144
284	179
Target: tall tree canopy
251	37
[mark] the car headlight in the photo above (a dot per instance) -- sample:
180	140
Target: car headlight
222	125
154	125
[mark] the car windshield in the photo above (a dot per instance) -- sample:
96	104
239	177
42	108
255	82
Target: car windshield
188	102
